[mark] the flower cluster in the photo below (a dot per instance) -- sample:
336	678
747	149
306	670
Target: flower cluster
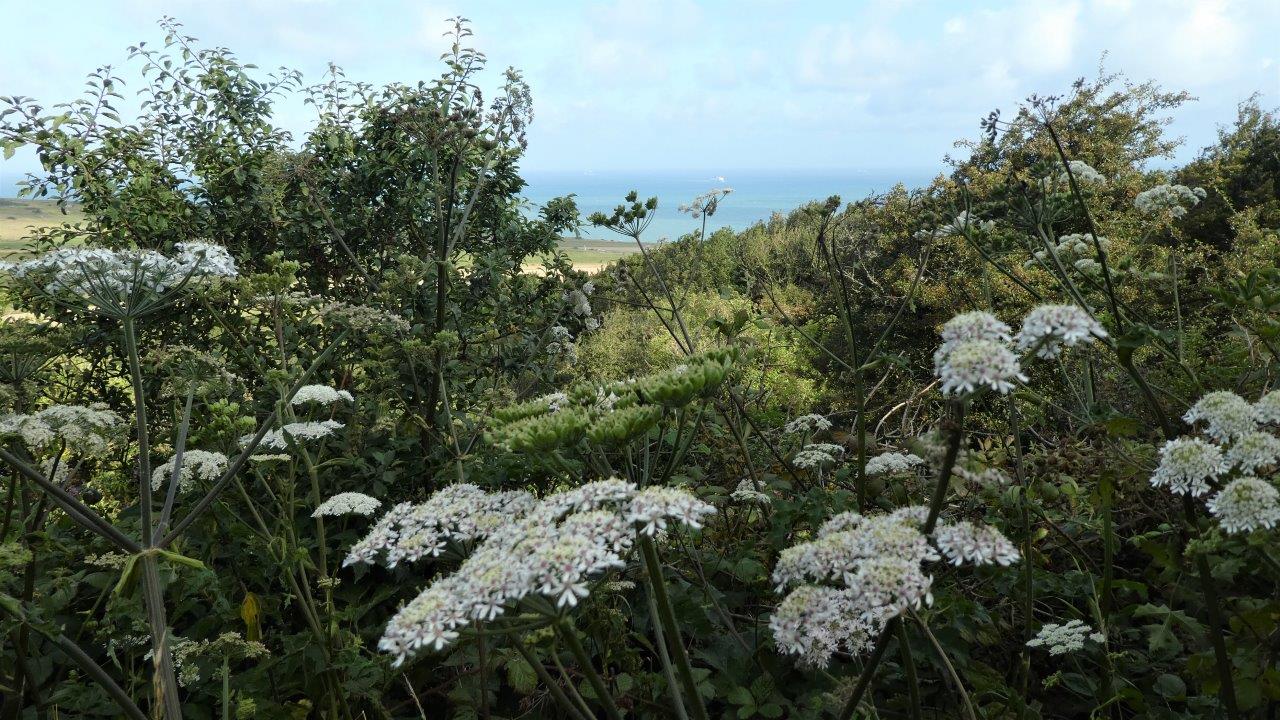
320	395
1065	638
297	432
817	455
87	430
121	278
810	423
1227	415
1246	504
860	572
1084	173
552	547
1075	249
1049	328
746	492
201	465
348	503
1267	409
975	354
1237	450
1171	199
892	462
963	542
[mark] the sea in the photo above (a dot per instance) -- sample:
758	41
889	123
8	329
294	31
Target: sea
756	196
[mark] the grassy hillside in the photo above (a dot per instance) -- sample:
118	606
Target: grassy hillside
19	217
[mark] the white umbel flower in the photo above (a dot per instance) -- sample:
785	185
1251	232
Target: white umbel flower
348	503
746	492
320	395
1084	174
1049	328
299	432
203	465
1171	199
1267	409
1254	450
818	456
892	462
973	364
86	429
807	424
1065	638
974	325
1246	504
964	541
1187	465
553	547
1227	415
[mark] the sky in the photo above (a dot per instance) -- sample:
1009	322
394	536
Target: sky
665	85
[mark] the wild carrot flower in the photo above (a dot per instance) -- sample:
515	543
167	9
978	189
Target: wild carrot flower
320	395
892	462
807	424
299	432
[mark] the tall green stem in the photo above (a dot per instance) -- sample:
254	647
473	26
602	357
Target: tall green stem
584	663
672	630
909	667
1028	586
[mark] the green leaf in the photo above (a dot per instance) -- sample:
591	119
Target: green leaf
1170	687
521	676
770	710
741	696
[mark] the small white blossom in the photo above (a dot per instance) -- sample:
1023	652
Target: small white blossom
1049	328
1254	450
201	465
1084	173
299	432
964	542
1187	465
1227	414
892	462
348	503
974	325
807	424
746	492
86	430
975	364
1062	639
1171	199
1246	504
1267	409
320	395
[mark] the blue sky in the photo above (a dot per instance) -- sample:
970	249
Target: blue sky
635	85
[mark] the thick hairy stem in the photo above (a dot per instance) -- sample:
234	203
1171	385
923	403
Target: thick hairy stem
661	641
603	695
869	670
670	627
553	687
909	667
164	681
1028	586
140	419
1227	691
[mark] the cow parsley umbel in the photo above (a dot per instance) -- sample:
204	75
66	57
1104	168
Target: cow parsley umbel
1049	328
1246	504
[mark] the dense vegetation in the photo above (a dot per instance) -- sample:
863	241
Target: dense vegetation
290	431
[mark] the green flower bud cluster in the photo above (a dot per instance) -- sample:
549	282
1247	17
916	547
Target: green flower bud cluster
611	414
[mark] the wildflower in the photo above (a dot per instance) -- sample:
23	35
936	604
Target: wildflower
551	547
86	429
1246	504
1049	328
320	395
196	465
746	492
1088	266
1253	450
1083	173
1228	415
975	325
1187	465
1267	409
298	432
892	462
820	455
348	503
815	622
974	364
807	424
1171	199
981	545
1066	638
847	520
